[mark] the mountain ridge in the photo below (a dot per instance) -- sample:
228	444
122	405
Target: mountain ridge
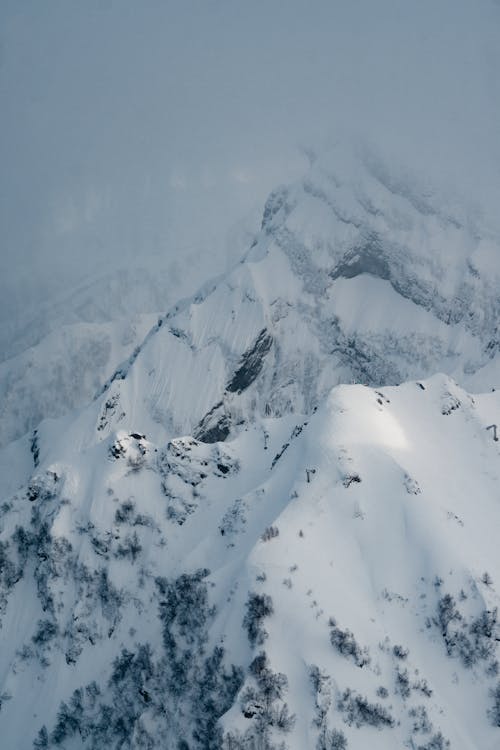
241	528
274	525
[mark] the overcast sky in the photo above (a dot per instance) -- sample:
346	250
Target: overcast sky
145	129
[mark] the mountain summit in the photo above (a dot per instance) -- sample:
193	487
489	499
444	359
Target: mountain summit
355	276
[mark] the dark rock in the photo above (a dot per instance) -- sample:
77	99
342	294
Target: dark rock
251	363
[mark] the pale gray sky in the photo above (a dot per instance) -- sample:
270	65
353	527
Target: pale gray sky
146	128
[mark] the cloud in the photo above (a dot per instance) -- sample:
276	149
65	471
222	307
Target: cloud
130	130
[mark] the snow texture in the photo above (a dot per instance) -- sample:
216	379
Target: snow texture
273	526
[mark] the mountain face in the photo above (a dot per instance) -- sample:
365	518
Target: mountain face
56	356
259	534
316	581
353	278
63	371
357	275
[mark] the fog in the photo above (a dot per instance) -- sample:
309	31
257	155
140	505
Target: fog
147	132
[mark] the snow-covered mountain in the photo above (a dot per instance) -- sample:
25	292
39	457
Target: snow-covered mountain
63	371
259	534
356	276
55	357
316	581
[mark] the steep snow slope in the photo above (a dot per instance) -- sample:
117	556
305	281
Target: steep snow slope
101	297
54	357
348	534
359	274
142	583
63	371
356	276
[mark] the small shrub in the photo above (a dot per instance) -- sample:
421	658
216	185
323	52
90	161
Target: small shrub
400	652
423	687
494	711
487	579
331	739
130	547
271	532
403	683
421	721
346	644
45	632
258	607
125	512
42	740
321	685
263	702
357	710
437	742
471	642
447	612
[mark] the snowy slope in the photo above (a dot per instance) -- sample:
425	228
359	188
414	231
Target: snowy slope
100	297
356	548
55	356
313	564
63	371
359	274
356	276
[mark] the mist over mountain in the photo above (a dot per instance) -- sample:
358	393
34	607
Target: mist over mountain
249	371
144	134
